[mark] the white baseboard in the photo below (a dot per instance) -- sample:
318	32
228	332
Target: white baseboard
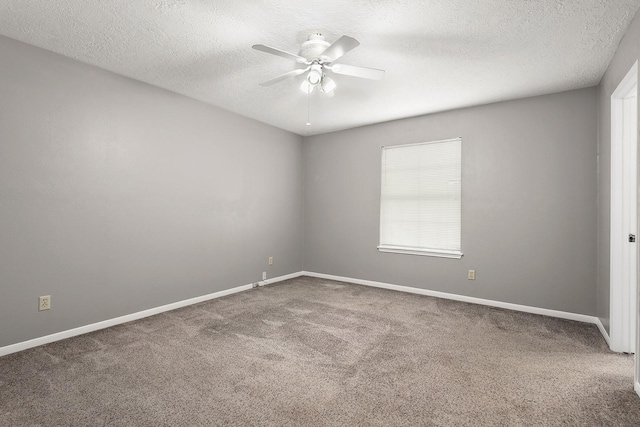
13	348
282	278
636	387
603	331
506	305
157	310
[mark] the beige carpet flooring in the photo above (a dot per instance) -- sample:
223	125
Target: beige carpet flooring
316	352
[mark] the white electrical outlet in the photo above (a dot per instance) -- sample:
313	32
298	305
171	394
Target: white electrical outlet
270	260
264	275
472	275
44	302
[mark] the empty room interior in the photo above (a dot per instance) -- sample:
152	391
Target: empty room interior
319	213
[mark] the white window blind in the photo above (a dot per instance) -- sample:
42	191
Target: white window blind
420	203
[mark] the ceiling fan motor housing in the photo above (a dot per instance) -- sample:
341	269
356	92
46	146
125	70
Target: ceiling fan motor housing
313	47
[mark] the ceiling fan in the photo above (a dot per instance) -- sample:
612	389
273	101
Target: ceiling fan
316	58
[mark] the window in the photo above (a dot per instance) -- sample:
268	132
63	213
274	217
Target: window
420	207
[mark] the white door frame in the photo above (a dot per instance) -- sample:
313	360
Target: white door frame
624	219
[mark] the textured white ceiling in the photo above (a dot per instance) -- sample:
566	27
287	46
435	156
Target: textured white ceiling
438	54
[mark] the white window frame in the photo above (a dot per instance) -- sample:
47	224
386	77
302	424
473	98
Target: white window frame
433	252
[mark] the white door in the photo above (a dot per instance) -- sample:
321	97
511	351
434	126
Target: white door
630	220
624	217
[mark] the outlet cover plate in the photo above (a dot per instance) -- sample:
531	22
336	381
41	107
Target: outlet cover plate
44	302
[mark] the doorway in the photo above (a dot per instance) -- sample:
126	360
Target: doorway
624	218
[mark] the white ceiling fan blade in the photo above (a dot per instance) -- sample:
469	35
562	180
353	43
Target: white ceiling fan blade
286	75
282	53
341	46
365	73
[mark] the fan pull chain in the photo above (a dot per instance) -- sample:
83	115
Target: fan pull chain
308	96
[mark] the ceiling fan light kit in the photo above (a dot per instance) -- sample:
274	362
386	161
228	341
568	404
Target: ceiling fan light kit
328	84
318	55
315	74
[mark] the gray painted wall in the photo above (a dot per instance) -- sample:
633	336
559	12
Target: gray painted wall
116	196
529	202
627	54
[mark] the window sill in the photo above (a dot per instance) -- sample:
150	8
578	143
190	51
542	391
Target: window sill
421	252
